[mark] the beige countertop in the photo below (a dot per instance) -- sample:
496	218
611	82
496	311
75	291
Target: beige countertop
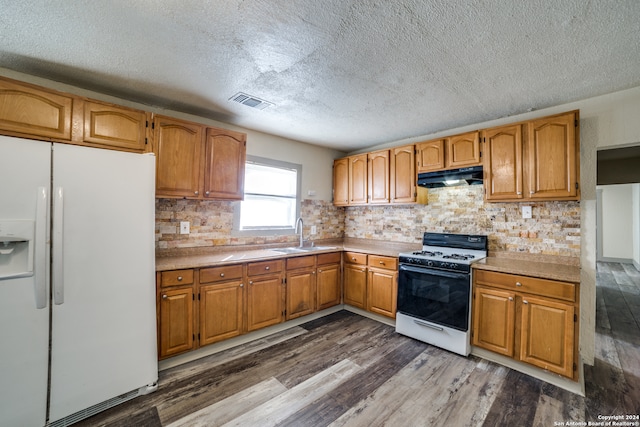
540	269
211	257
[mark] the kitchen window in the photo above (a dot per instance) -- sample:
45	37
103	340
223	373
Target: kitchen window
271	198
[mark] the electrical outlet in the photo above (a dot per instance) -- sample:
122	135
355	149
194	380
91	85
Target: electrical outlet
184	227
526	212
314	230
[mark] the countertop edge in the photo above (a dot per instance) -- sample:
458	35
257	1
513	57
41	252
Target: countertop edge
538	269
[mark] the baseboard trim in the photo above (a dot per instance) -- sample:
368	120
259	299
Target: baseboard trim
619	260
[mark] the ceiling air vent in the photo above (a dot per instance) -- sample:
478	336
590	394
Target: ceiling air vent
250	101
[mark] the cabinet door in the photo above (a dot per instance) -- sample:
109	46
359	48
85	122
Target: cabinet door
378	175
264	302
503	162
113	126
341	182
176	321
27	110
358	179
220	311
355	285
224	164
328	285
179	148
548	335
403	174
494	320
382	292
553	171
301	293
463	150
431	156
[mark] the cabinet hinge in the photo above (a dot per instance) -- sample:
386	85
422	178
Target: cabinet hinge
193	337
198	336
146	123
146	141
575	122
198	297
284	312
481	154
575	368
576	185
575	317
193	297
472	333
284	280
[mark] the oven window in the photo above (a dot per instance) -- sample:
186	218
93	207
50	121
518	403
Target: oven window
435	296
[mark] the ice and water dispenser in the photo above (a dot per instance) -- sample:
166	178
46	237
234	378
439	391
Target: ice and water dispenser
16	248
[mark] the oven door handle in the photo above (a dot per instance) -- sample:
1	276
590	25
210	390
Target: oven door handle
434	272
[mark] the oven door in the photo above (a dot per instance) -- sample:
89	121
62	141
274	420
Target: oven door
440	297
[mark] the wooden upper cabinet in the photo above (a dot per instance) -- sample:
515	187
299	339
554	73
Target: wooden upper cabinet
503	162
403	174
34	112
553	163
341	182
378	175
463	150
358	179
178	146
113	126
224	164
431	156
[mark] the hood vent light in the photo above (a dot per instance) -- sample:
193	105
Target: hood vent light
250	101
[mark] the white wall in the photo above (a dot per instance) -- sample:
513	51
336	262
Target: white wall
317	162
616	223
635	202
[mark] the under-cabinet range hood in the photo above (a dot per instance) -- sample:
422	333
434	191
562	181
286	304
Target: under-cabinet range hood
449	178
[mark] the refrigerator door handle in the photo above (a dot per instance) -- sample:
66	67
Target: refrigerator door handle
57	252
40	282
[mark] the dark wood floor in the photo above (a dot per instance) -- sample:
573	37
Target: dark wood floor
347	370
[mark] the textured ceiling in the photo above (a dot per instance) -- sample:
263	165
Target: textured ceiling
346	74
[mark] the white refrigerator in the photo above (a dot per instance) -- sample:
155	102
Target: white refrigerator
77	293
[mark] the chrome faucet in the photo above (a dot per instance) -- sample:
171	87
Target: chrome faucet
299	223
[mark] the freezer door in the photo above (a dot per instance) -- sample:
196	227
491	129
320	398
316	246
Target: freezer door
103	320
24	328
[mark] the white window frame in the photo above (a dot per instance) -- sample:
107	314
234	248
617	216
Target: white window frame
269	231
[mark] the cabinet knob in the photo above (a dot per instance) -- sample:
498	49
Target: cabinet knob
267	268
532	192
164	296
242	285
206	193
179	278
524	301
510	298
196	192
381	262
313	272
518	284
353	259
364	270
319	271
221	274
519	193
251	282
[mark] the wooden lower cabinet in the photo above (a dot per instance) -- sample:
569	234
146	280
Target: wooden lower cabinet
528	319
328	281
176	321
220	311
355	285
301	287
382	292
265	294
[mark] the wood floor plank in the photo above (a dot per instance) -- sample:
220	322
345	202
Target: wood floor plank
232	407
513	406
329	407
279	408
548	412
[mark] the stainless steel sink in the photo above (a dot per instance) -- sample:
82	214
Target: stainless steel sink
297	250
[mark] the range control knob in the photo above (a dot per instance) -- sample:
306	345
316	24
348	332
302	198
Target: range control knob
430	263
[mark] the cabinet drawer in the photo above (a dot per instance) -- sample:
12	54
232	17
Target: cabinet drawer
386	262
544	287
265	267
355	258
220	274
332	258
301	262
176	277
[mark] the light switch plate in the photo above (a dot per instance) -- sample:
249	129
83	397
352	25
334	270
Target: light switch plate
526	212
314	230
184	227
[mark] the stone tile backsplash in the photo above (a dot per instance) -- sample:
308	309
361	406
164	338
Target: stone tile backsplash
554	228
